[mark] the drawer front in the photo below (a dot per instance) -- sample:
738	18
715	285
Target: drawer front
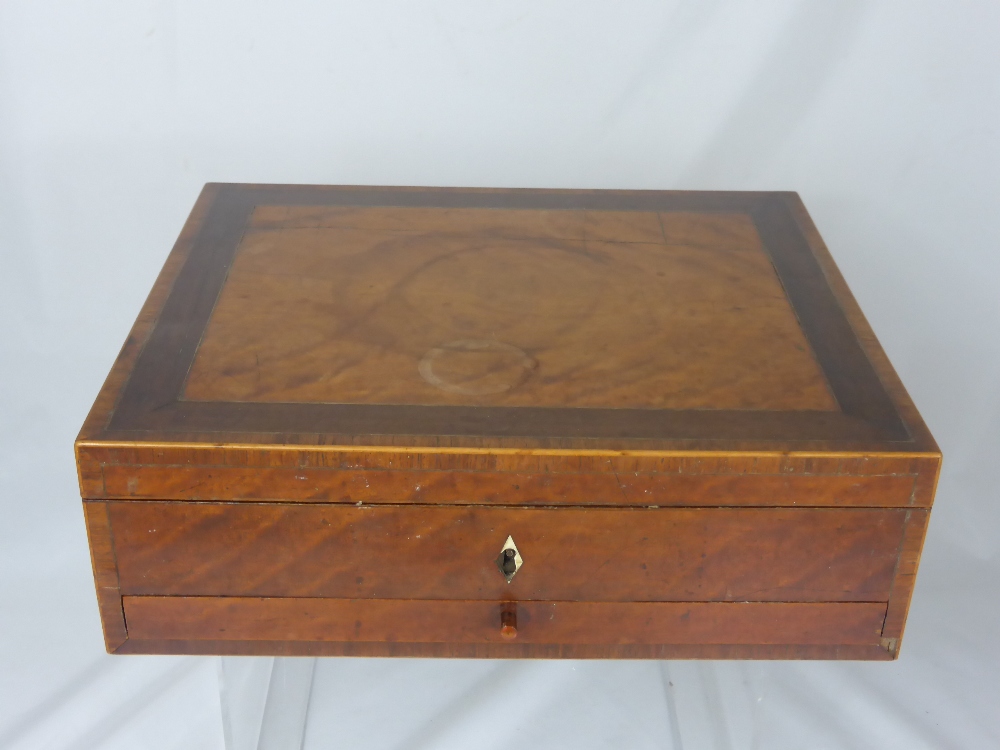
444	552
155	618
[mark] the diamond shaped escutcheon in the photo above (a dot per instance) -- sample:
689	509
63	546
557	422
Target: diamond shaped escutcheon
509	560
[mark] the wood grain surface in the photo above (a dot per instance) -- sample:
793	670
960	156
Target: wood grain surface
441	552
503	488
664	310
571	623
905	577
717	248
337	402
221	472
105	567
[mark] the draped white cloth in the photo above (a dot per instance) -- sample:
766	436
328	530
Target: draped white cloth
885	116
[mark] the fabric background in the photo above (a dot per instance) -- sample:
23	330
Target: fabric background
883	115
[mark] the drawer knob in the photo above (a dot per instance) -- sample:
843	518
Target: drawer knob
508	623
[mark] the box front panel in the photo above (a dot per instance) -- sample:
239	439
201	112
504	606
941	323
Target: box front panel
440	552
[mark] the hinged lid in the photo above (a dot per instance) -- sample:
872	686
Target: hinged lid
423	321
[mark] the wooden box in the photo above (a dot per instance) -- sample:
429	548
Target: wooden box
503	423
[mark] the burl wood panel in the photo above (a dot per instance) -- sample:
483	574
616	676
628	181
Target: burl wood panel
571	623
567	308
441	552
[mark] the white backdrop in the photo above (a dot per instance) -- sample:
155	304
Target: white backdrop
885	116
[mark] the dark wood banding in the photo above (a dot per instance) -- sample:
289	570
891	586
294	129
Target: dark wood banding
152	399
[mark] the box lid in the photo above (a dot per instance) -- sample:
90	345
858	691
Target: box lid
408	321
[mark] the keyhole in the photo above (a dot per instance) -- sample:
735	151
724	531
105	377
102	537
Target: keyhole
509	561
509	566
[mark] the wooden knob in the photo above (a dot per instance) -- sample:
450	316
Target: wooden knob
508	623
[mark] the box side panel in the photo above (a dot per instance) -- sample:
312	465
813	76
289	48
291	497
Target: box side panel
904	579
90	468
102	555
927	473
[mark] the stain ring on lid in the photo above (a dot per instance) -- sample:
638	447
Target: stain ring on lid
476	367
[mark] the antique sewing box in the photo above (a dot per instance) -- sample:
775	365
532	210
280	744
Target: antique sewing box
503	423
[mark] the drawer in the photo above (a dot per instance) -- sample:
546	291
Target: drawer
449	552
153	618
